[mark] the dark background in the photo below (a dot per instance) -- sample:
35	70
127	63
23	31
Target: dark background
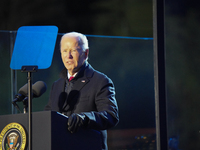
98	17
132	18
128	62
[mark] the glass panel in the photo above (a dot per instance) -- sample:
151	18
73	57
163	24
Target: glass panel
182	74
6	44
127	61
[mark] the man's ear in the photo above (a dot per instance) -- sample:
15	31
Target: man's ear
86	53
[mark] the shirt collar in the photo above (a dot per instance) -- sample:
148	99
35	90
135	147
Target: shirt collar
68	75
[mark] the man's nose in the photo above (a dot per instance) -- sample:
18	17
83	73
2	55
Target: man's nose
69	55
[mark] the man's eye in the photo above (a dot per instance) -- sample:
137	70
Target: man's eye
64	50
74	50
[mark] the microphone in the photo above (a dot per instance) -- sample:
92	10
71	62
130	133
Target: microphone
38	89
21	94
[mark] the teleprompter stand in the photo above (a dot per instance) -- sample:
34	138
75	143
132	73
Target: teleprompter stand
29	70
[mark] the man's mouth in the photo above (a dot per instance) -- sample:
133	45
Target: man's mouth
69	62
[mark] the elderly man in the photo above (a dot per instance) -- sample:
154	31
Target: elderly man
82	93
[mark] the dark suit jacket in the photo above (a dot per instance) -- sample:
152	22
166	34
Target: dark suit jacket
91	93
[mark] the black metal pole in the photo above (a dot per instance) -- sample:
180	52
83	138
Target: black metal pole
30	110
159	74
29	70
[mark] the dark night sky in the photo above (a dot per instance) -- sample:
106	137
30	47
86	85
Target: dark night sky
99	17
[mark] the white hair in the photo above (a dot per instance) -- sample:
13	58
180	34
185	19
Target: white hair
82	39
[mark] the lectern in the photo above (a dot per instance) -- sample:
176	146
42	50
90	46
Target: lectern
49	132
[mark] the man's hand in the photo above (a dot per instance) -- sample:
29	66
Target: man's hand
76	121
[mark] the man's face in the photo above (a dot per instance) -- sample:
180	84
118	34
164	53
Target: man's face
72	54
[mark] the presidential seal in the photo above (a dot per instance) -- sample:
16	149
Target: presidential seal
13	137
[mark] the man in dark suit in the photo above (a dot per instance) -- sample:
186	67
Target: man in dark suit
82	93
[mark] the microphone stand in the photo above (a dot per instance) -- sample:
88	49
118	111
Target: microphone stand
29	70
25	103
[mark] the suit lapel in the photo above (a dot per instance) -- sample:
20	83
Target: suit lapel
80	83
82	79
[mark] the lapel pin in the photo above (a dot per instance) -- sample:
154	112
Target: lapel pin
83	81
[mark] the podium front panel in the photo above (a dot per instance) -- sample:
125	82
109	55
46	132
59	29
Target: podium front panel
49	132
